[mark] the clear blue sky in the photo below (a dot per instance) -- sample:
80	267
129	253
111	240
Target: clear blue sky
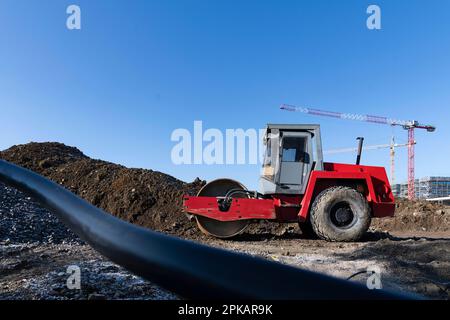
137	70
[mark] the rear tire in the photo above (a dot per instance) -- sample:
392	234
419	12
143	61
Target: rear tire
340	214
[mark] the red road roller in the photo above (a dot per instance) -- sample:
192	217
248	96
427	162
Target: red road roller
332	201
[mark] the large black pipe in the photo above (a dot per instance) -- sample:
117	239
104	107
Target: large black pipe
184	267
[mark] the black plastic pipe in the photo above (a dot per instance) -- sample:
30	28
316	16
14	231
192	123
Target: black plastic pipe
189	269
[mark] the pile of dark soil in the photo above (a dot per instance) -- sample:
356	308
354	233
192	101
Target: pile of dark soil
417	215
148	198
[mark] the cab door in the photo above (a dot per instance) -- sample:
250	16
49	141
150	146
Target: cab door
295	161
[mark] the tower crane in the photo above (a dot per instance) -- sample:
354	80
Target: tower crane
409	125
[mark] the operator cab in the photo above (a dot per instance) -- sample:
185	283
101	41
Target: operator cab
292	152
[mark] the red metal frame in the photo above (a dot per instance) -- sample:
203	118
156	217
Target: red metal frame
370	180
240	209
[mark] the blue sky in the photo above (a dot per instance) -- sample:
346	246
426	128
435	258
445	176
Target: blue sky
137	70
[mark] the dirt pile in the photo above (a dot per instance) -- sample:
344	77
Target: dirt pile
42	157
417	215
144	197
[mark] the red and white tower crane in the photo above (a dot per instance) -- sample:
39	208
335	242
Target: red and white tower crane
409	125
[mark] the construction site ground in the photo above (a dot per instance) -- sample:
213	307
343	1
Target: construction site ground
412	250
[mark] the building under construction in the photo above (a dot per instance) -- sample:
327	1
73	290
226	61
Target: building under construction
425	188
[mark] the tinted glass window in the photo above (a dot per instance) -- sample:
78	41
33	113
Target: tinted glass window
293	149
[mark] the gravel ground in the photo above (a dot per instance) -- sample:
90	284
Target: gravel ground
36	251
36	271
23	221
407	264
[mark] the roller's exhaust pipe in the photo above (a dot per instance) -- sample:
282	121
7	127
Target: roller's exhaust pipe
360	147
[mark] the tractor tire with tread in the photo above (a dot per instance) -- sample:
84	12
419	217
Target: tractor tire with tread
340	214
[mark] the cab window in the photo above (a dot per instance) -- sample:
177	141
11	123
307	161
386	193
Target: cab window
293	149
